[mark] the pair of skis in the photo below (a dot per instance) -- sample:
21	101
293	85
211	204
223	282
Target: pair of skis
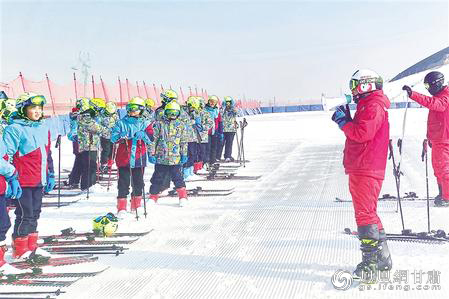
409	196
70	233
230	176
86	249
37	278
200	192
30	293
409	236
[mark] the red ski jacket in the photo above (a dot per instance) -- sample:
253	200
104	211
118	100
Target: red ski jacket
367	137
438	119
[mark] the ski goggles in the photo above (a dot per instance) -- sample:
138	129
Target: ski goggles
111	217
36	100
171	113
353	84
133	107
428	85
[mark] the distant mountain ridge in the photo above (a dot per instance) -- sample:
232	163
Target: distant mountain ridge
436	60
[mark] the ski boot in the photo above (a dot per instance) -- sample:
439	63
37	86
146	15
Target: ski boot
20	250
153	198
32	245
384	262
5	268
121	207
136	202
182	194
441	202
366	271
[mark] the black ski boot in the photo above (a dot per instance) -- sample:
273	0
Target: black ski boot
366	271
384	262
437	199
440	202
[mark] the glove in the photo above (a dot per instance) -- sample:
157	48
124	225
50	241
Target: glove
183	159
152	159
340	116
407	89
221	137
198	121
14	191
140	135
51	183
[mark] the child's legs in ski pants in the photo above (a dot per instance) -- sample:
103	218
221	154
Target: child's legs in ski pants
28	211
5	222
161	172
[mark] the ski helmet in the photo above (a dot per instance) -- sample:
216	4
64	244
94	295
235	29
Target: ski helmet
136	104
228	99
433	82
213	101
97	105
172	110
193	102
364	81
28	99
83	104
168	96
201	102
111	108
149	103
105	225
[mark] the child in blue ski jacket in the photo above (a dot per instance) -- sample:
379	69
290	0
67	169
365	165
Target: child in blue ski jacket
28	142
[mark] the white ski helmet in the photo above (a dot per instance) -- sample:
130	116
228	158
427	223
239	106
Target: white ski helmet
364	81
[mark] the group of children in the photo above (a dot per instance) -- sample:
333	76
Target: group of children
179	140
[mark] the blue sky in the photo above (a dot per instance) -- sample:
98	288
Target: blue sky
292	50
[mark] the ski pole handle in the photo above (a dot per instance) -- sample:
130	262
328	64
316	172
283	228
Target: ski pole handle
424	149
400	146
58	141
390	147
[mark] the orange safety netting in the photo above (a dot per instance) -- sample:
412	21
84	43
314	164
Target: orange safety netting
61	98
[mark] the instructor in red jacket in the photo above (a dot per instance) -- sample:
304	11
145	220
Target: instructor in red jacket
365	159
437	129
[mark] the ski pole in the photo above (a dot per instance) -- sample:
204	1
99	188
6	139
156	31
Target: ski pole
236	125
244	124
58	146
89	177
143	182
131	172
114	153
397	175
424	155
241	143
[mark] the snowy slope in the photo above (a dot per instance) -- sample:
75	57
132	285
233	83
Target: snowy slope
278	237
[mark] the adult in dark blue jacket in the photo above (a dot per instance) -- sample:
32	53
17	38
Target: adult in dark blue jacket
28	142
